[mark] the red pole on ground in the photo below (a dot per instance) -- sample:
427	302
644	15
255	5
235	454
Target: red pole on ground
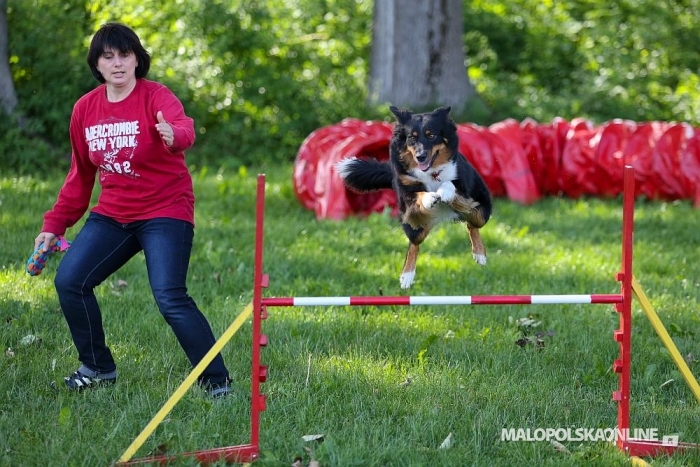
624	335
259	372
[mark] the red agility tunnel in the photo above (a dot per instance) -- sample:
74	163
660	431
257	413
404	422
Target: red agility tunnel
522	161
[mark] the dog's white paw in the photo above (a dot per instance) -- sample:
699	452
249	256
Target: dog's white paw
480	259
429	199
446	192
406	279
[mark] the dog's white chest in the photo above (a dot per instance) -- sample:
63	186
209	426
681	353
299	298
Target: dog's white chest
434	178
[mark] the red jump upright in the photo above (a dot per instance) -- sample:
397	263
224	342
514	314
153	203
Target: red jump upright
621	301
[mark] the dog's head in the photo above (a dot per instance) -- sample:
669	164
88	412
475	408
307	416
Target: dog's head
427	139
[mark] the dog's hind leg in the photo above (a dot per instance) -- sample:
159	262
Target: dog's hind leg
470	212
478	249
415	238
408	273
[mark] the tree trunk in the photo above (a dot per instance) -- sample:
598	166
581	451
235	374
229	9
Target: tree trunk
418	58
8	97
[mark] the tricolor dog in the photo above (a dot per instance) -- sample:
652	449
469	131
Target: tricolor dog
432	180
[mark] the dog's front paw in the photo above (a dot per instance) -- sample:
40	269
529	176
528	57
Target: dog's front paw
406	279
479	258
446	192
429	199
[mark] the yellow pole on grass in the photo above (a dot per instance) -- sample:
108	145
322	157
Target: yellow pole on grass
666	338
189	381
639	462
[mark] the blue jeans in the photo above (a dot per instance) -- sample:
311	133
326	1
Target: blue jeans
102	247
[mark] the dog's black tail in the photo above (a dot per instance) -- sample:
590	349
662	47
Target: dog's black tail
365	174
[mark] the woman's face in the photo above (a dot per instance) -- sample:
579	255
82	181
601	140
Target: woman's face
117	68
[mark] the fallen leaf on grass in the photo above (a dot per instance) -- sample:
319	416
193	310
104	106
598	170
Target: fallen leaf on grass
407	382
666	382
447	443
537	339
522	342
29	340
116	288
527	323
308	438
538	342
559	447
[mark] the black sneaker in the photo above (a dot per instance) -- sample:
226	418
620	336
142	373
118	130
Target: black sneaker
78	381
218	390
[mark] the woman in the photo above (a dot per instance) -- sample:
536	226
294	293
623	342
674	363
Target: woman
132	132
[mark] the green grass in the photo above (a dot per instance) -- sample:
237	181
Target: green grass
467	375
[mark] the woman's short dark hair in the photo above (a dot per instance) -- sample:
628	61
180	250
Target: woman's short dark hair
121	38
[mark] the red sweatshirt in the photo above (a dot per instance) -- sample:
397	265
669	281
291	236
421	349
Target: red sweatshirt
141	177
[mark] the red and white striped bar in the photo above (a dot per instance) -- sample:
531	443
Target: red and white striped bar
444	300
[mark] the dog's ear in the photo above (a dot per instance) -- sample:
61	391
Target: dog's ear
402	116
442	111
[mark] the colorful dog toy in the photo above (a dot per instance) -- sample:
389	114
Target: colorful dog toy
37	261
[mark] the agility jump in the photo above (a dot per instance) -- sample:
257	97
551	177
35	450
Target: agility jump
629	288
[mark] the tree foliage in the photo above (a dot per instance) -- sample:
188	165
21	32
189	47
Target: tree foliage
634	59
46	49
259	76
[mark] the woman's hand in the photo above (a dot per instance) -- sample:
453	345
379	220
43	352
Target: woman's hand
165	130
45	238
